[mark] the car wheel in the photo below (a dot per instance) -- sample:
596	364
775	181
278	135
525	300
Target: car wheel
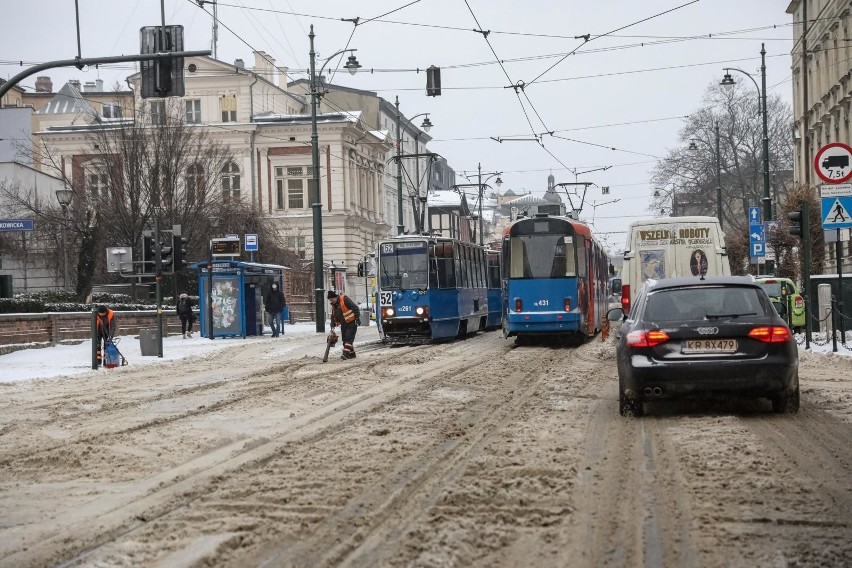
626	406
786	403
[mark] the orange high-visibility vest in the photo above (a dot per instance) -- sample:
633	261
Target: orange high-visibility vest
348	315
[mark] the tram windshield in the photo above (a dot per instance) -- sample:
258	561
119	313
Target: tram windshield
542	256
404	265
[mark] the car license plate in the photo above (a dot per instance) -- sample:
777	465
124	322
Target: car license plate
710	346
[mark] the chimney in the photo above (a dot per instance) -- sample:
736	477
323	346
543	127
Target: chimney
99	85
74	83
283	79
44	84
264	65
89	87
239	64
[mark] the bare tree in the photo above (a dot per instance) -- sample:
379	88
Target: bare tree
692	173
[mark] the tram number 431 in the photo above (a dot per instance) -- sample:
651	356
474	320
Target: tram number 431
541	303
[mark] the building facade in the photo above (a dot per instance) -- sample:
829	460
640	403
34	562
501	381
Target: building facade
822	91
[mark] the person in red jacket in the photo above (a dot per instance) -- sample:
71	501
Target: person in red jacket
106	329
345	313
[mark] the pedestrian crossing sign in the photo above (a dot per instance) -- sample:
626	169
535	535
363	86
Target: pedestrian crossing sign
836	212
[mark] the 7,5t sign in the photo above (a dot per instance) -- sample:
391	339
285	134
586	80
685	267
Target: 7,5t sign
833	163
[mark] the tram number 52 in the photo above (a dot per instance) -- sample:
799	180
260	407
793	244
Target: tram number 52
386	298
541	303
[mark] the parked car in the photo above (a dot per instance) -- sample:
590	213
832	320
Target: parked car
691	338
614	299
774	287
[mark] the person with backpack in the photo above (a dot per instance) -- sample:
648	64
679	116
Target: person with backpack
273	303
184	312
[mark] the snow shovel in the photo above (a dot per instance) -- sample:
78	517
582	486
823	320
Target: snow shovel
331	341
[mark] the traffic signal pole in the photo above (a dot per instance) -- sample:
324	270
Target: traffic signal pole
158	260
806	269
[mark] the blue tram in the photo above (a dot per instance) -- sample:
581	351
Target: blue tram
431	288
556	278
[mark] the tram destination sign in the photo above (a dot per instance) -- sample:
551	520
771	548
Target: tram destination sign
17	225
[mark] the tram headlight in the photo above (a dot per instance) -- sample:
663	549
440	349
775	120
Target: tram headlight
422	311
388	312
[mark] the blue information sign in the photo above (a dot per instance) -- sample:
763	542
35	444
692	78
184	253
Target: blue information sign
754	215
17	225
757	239
836	212
251	242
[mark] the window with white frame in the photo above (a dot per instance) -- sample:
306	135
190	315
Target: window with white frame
157	110
97	181
296	244
228	104
291	185
193	111
230	182
111	110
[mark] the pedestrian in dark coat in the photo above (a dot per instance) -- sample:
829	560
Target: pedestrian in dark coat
184	312
346	314
273	303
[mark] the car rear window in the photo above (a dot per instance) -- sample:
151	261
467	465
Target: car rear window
773	289
699	302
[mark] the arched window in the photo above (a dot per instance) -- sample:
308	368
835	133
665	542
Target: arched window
195	184
230	182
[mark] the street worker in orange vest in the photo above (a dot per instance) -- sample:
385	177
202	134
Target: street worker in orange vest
106	329
345	313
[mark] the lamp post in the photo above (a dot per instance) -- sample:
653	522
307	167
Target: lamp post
692	148
352	66
64	196
426	125
728	82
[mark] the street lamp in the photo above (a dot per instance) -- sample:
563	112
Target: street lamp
64	196
728	82
659	191
426	125
694	148
352	66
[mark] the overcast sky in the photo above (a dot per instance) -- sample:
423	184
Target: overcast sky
625	90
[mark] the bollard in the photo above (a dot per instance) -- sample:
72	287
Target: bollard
824	299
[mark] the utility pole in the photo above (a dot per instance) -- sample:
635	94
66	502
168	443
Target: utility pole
158	263
400	226
718	179
479	183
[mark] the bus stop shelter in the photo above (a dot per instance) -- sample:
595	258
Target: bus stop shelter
230	294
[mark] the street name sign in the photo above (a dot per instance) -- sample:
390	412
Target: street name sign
836	206
833	163
17	225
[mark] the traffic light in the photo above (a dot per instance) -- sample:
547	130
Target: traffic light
149	253
795	218
178	253
161	77
165	260
433	81
360	270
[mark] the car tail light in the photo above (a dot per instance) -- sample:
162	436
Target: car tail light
517	304
625	298
645	338
800	302
771	334
567	304
770	282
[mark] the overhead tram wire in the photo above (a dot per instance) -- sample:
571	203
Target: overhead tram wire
529	34
606	34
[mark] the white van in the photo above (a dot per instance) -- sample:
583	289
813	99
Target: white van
670	247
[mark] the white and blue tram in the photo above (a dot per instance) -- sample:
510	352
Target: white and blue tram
431	288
